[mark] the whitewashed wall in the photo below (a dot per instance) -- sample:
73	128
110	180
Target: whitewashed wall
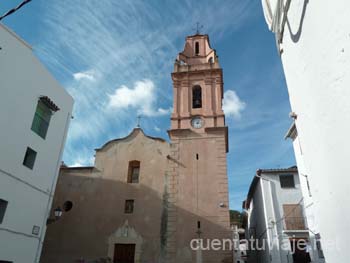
276	197
22	81
316	61
257	223
308	202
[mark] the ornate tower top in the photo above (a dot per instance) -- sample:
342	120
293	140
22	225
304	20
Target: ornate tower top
197	54
198	88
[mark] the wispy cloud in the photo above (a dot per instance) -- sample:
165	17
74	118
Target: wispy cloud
108	44
131	45
142	97
232	104
79	162
82	158
88	75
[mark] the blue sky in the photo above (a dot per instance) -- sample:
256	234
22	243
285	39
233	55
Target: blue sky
104	51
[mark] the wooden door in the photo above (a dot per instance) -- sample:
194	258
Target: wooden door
299	248
124	253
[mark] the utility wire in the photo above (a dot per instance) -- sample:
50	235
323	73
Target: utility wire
282	218
14	9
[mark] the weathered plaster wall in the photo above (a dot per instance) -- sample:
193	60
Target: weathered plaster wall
98	195
165	202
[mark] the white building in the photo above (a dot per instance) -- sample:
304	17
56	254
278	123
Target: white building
276	219
34	116
240	249
309	211
314	42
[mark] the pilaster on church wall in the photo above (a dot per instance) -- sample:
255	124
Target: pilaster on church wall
176	95
171	186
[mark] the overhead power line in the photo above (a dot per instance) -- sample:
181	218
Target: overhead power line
14	9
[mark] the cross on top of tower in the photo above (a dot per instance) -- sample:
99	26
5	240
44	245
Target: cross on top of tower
138	121
198	28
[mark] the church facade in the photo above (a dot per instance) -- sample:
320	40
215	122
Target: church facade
147	200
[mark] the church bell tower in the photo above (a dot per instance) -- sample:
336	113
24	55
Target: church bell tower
198	87
197	179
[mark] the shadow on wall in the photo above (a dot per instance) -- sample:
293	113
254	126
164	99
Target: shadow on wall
296	36
83	234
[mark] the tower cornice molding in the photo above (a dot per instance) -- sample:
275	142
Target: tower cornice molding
218	80
182	74
177	83
185	83
209	81
194	115
210	132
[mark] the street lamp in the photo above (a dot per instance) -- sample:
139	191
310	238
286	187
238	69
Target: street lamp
57	213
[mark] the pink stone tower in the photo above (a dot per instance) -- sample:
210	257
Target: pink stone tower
197	178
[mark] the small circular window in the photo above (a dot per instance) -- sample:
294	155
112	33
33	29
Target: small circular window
67	206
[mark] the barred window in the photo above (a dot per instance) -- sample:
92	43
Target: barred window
287	181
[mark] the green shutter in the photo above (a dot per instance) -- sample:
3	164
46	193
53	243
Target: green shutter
41	119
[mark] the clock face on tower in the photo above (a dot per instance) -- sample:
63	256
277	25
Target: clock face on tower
197	122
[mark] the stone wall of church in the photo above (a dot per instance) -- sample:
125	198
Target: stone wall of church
97	220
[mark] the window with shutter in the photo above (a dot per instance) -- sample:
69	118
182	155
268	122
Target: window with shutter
293	216
41	119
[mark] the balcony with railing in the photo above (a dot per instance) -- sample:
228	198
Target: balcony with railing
294	223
